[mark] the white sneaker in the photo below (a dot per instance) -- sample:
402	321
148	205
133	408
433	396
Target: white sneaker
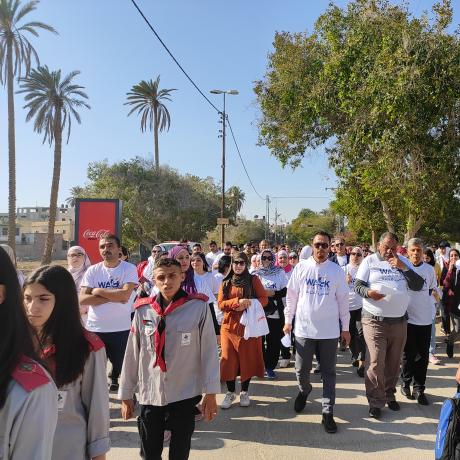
244	399
228	400
283	363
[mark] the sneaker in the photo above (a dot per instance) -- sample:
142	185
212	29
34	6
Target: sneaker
166	436
301	400
421	398
244	399
284	363
270	374
329	423
114	385
405	391
375	412
228	400
393	405
434	360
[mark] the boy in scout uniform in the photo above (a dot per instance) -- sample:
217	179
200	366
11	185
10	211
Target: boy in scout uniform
172	359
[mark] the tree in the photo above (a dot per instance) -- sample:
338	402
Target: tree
53	103
234	199
158	203
242	231
16	56
147	99
383	89
304	226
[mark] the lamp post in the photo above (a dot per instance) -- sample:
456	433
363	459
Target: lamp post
222	205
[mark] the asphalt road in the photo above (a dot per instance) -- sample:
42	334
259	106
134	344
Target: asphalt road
270	429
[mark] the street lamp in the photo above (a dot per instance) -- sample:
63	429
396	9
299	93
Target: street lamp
222	205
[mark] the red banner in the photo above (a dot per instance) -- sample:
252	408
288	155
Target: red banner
93	218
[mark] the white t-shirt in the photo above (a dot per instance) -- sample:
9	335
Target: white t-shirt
342	261
211	257
381	276
110	316
219	278
274	282
355	301
206	284
421	308
317	295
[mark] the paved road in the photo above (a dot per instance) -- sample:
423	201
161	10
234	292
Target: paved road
270	429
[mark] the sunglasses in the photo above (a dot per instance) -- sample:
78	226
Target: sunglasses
267	258
357	254
321	245
239	262
340	244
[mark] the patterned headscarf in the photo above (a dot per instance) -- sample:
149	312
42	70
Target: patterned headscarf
188	285
272	269
77	273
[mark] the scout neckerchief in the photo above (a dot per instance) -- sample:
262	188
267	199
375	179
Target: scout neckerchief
163	310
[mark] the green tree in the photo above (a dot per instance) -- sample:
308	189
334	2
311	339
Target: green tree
382	88
53	102
16	56
242	231
158	203
147	100
234	200
304	226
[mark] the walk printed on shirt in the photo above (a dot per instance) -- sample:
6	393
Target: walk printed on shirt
318	286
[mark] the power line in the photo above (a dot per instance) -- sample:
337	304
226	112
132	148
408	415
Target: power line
172	56
242	162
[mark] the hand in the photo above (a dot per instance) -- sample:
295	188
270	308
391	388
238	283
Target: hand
95	291
209	407
396	262
346	337
127	409
375	295
243	304
349	278
451	266
287	329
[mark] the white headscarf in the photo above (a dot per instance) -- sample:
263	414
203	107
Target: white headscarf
77	273
306	252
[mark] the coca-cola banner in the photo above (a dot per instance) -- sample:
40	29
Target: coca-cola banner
94	218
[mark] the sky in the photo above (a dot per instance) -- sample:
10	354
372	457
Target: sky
222	45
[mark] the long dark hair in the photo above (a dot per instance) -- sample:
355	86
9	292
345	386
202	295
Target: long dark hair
203	259
63	328
428	252
15	331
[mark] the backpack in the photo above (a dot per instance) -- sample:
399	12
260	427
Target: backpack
447	445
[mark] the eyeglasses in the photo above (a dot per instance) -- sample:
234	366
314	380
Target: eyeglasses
266	258
239	262
340	244
75	255
321	245
357	254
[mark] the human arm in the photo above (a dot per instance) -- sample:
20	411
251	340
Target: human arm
292	297
95	400
209	407
115	295
341	296
362	289
226	304
86	297
414	280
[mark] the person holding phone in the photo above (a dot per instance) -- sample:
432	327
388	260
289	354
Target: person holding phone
383	280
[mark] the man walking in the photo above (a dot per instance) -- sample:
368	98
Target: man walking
340	257
317	295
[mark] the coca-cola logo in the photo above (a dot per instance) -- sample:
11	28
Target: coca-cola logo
95	234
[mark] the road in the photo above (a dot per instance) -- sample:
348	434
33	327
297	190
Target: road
270	429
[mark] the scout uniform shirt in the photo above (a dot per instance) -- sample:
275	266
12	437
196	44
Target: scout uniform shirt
191	360
82	431
28	418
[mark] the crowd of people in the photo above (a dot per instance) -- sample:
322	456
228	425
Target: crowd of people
178	325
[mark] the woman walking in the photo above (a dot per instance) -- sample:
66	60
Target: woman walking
239	356
77	361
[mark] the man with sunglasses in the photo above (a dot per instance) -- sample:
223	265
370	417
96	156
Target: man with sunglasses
340	257
317	295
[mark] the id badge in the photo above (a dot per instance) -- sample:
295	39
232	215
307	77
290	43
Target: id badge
62	396
185	341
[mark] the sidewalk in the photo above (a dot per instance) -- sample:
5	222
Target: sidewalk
270	429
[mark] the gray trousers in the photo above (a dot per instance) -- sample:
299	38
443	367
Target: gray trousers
305	349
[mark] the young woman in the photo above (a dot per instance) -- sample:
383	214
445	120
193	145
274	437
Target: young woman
181	254
451	298
28	395
206	284
77	264
274	280
430	259
239	356
355	302
77	361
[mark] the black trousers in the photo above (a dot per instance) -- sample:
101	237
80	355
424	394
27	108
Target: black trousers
115	346
415	356
357	343
272	343
180	416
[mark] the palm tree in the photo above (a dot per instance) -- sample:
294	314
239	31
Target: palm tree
53	103
235	199
16	55
146	98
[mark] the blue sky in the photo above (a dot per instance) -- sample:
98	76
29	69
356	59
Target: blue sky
221	45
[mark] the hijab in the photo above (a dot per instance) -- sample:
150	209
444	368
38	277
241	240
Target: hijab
272	269
243	280
77	273
306	252
188	285
288	267
357	249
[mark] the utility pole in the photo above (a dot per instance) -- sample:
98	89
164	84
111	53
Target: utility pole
267	213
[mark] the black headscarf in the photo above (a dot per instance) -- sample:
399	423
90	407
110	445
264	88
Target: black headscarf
243	280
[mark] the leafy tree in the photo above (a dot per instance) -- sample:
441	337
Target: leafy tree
382	89
234	199
158	203
304	226
242	231
16	56
147	99
53	102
